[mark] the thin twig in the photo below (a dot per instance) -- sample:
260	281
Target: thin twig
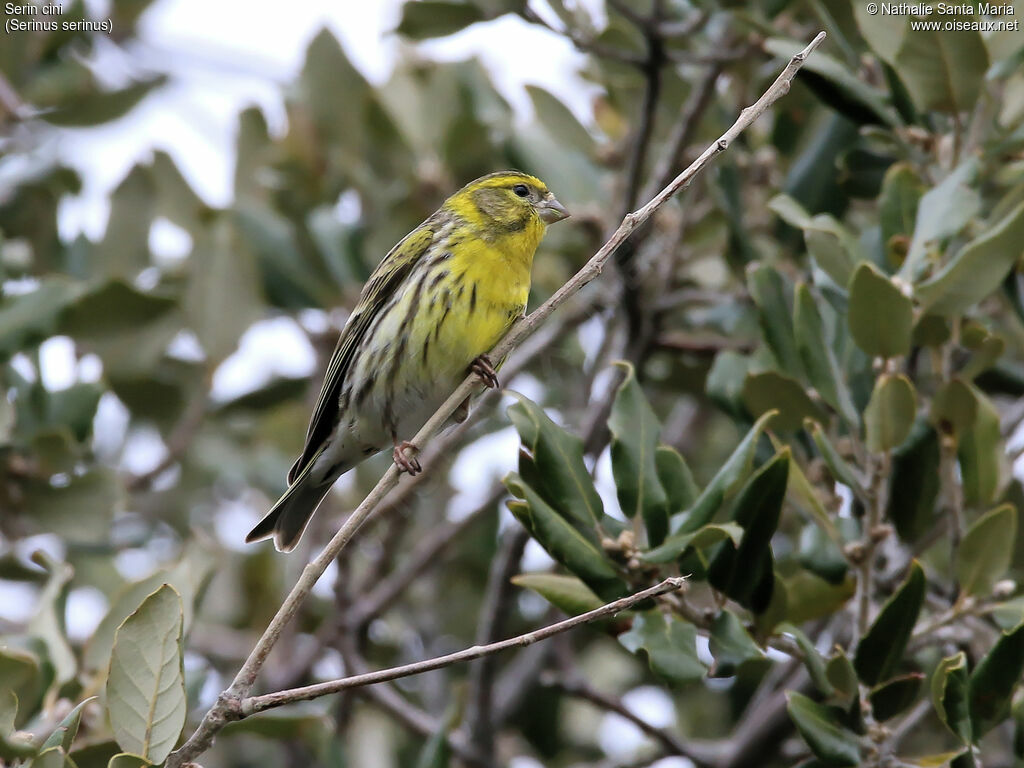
228	703
480	714
671	743
425	554
254	704
585	45
685	129
405	712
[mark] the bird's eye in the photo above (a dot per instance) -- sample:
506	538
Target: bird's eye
521	189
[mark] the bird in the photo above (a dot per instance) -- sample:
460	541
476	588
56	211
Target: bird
427	316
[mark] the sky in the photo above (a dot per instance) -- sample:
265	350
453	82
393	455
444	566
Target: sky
228	55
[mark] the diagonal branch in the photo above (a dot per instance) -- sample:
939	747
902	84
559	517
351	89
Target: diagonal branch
254	704
228	705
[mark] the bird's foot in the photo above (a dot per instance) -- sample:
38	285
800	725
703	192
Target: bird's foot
462	412
405	462
484	370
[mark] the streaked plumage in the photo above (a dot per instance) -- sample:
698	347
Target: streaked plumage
440	300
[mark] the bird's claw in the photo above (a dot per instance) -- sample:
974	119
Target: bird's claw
484	370
403	461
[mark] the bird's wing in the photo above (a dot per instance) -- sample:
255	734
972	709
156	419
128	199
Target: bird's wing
382	285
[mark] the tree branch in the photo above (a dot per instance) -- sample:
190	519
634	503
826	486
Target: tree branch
669	742
254	704
480	716
228	705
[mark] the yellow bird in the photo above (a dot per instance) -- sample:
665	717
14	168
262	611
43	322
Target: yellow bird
429	314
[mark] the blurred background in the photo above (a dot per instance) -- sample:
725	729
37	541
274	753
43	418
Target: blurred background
189	205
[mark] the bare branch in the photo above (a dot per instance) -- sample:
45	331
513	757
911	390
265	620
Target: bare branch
415	563
254	704
405	712
671	743
228	705
480	720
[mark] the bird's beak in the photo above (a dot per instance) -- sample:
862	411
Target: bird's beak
551	210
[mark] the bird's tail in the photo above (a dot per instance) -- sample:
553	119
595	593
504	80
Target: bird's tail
288	518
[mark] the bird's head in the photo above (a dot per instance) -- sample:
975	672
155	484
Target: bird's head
508	201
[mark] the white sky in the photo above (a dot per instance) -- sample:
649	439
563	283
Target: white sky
228	55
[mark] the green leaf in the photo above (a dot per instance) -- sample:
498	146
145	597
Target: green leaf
557	456
810	597
111	310
982	455
48	622
914	483
987	550
890	413
567	593
770	391
436	18
891	698
29	318
96	656
124	250
676	478
733	472
805	498
842	676
635	430
80	511
977	270
931	331
266	238
769	291
146	683
128	760
93	107
223	295
563	542
881	318
14	745
993	681
822	555
984	357
943	70
884	33
724	383
861	98
53	757
731	645
702	538
954	408
880	650
746	572
819	360
897	207
949	695
812	660
669	644
819	725
942	212
837	465
20	672
74	407
559	121
67	729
